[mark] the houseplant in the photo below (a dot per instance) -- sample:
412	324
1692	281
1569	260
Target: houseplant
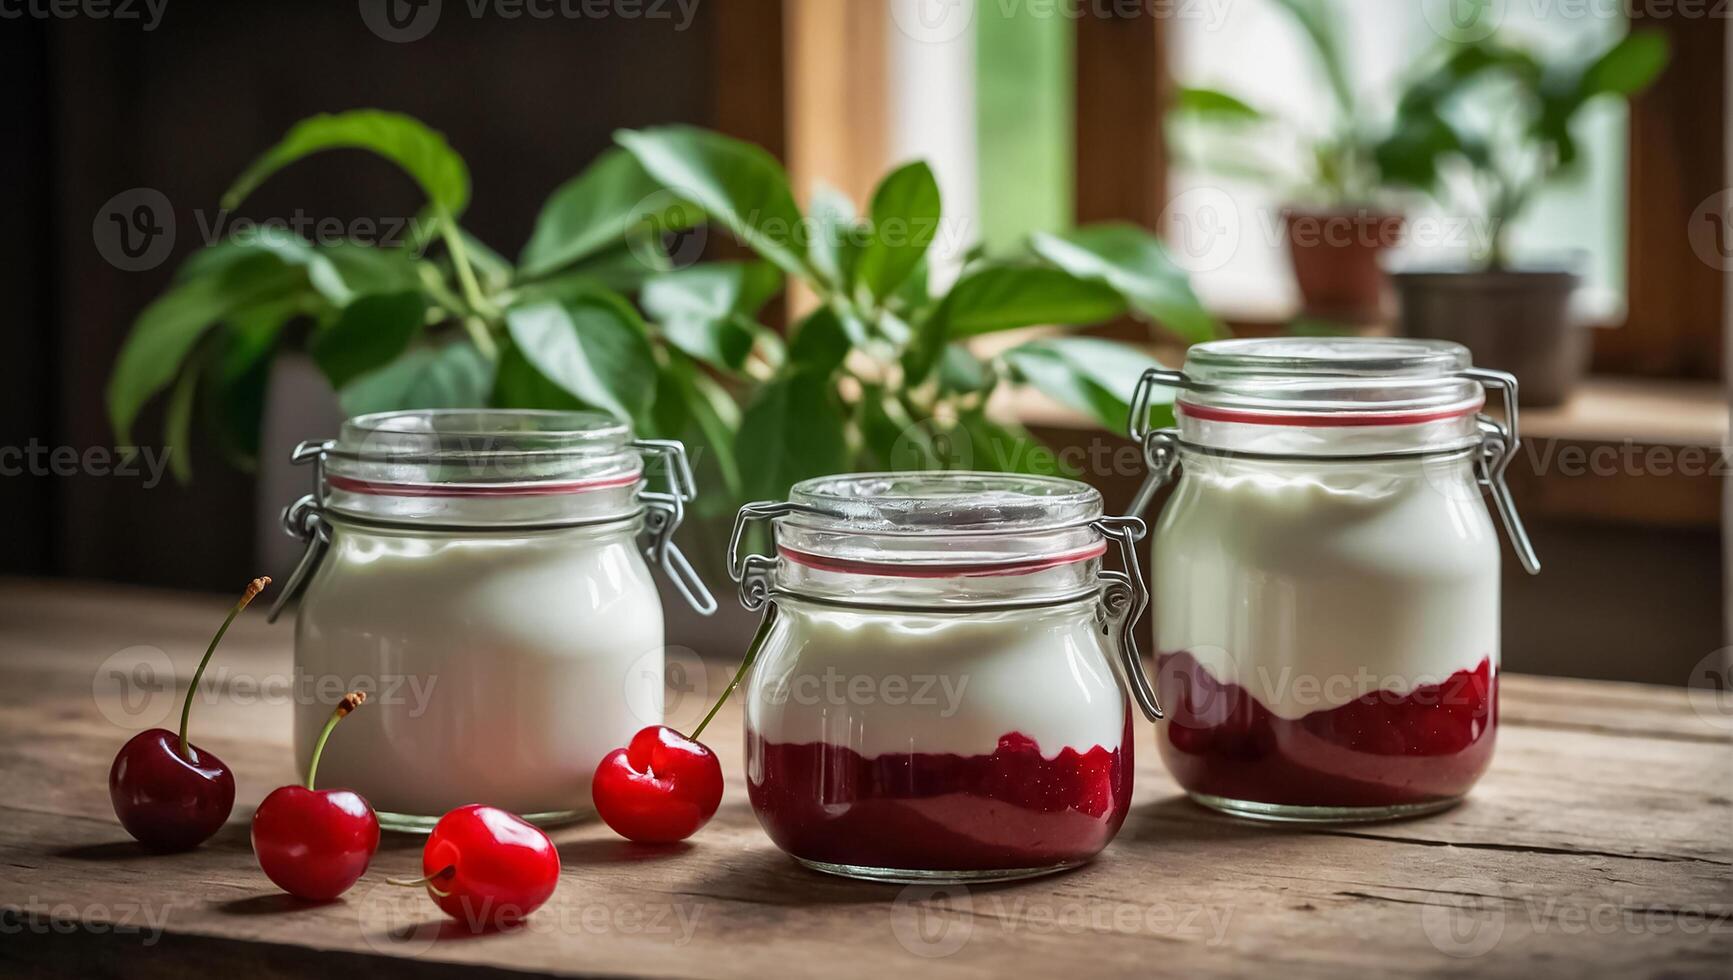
1491	163
1338	219
595	314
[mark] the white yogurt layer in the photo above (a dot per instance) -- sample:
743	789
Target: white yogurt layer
1313	585
518	661
897	683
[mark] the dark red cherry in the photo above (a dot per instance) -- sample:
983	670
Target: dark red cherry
659	789
170	794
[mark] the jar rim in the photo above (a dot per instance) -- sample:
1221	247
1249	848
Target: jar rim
1329	381
942	503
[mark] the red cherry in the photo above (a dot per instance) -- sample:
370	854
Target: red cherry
315	844
659	789
487	868
170	794
168	801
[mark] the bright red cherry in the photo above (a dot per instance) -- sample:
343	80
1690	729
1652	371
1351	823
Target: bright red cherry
170	794
487	868
659	789
314	844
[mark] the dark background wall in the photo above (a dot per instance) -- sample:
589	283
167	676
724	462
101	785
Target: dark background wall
96	108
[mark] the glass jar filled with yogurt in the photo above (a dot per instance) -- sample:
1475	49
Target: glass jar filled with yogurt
1327	574
485	576
938	690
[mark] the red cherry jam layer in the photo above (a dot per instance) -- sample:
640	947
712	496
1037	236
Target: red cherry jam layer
1428	745
1012	809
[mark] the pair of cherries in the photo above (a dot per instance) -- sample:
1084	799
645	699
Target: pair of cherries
172	795
483	865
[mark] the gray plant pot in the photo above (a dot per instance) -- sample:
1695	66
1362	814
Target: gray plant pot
1512	320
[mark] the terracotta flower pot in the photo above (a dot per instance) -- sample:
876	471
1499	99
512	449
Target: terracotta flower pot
1335	252
1513	320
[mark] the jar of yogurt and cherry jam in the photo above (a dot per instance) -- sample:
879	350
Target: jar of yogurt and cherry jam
939	688
485	577
1326	574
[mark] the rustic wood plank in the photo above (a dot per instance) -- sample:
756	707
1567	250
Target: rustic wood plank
1599	843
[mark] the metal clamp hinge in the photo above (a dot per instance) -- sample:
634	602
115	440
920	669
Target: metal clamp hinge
1500	441
1124	597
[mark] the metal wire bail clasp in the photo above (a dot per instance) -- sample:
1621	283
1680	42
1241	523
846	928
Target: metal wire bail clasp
1124	597
1160	446
1500	441
664	510
752	572
305	519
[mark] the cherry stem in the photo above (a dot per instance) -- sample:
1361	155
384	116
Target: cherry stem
351	701
745	664
426	880
254	587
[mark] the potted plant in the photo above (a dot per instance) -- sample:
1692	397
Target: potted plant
1491	163
1338	220
595	313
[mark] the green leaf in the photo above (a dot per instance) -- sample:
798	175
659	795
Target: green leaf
404	140
453	376
961	371
280	244
597	209
1007	297
621	269
234	389
893	440
1136	264
709	311
593	349
166	332
820	343
793	429
1088	374
905	219
369	334
712	412
736	183
178	422
365	269
1628	67
517	384
1215	106
836	238
1005	448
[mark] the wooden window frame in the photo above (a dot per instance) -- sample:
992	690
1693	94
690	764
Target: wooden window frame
1676	302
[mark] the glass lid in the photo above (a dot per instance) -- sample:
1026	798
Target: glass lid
482	448
940	524
1328	380
943	503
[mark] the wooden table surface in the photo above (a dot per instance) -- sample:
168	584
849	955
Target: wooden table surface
1601	843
